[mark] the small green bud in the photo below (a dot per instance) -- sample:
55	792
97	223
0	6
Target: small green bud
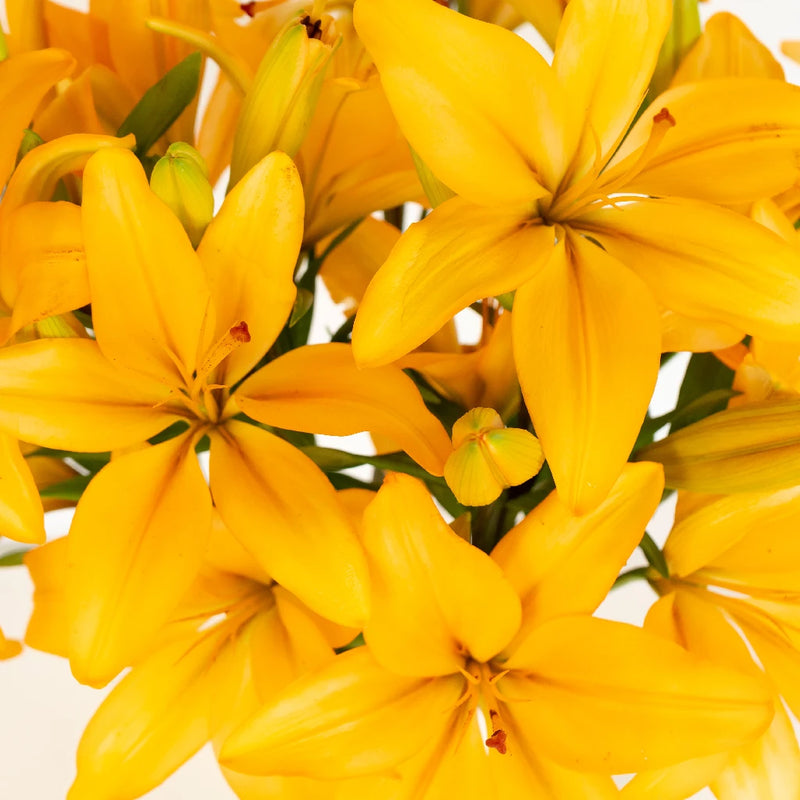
683	33
180	179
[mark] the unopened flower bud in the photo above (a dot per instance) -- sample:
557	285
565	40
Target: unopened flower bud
487	457
284	94
180	179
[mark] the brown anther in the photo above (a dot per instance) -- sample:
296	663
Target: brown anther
445	3
664	116
240	332
248	8
313	28
498	741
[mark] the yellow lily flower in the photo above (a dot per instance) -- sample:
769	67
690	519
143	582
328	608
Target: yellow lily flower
235	640
174	331
454	633
734	581
542	179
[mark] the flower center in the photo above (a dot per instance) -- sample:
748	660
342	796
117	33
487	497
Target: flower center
481	692
604	187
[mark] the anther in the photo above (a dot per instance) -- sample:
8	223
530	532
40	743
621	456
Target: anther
313	28
498	741
248	8
664	116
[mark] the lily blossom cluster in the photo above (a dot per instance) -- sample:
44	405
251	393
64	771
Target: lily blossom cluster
418	623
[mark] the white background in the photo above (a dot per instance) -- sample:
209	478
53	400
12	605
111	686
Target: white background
43	710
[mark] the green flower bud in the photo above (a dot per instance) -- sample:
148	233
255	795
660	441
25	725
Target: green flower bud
180	179
278	108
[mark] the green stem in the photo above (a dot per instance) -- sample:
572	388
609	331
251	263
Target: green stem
631	575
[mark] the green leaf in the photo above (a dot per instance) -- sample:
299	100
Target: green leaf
14	557
507	300
303	303
94	462
170	432
70	489
357	642
704	375
654	556
162	104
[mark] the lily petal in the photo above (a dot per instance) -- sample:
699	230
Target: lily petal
637	701
282	509
249	252
351	717
767	767
135	546
24	80
319	389
706	262
63	393
436	270
720	125
9	648
727	49
561	564
490	138
344	183
749	448
149	291
586	379
421	570
604	57
48	626
153	721
44	268
737	532
38	174
21	515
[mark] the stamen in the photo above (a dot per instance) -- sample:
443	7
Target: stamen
624	172
234	338
630	167
248	8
